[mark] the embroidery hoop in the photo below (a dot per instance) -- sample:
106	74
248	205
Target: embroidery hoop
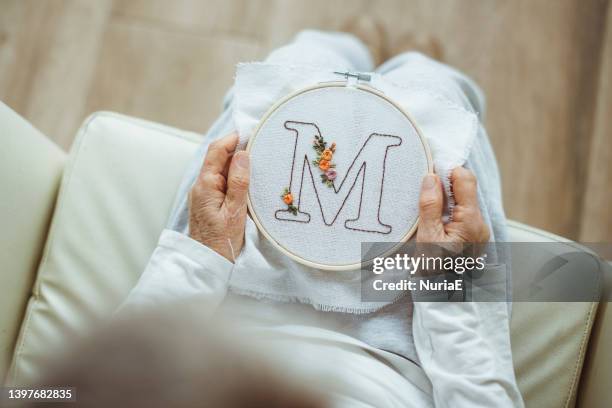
276	106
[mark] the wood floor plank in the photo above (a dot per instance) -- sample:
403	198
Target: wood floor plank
166	76
237	17
596	220
17	50
52	48
285	18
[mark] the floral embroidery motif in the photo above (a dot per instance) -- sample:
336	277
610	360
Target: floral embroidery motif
324	159
324	162
288	199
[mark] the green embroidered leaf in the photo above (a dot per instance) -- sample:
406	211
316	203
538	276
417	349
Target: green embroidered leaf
292	209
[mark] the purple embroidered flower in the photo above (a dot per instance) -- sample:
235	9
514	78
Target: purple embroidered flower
331	174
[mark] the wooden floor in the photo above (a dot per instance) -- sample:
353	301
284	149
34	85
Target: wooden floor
546	67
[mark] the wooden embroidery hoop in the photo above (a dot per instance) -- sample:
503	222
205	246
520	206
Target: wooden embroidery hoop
282	101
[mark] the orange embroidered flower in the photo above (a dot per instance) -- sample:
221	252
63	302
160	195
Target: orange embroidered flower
324	160
327	155
288	199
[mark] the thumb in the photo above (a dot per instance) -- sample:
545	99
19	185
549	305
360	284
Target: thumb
237	183
431	202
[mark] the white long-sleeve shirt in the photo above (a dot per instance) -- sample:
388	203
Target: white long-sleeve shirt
465	357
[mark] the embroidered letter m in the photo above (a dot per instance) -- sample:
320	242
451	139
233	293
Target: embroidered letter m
362	182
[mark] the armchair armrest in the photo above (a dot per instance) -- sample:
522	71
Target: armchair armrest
30	172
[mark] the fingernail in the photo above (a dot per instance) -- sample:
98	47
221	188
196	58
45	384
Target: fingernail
242	160
231	136
429	182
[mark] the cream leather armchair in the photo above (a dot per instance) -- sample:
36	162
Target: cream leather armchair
77	231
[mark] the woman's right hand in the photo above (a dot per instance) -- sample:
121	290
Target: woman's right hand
218	198
467	225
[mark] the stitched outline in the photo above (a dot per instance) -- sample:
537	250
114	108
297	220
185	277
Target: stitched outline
361	170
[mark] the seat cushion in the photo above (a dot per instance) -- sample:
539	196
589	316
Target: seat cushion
115	196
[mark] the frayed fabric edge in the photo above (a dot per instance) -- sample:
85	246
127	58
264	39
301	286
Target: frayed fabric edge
445	173
307	301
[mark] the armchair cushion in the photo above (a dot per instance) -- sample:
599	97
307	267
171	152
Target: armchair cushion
30	171
115	196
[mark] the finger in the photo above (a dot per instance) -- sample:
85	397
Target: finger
238	183
430	207
218	154
464	188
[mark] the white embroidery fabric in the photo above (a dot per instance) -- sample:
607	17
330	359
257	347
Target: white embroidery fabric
375	203
261	270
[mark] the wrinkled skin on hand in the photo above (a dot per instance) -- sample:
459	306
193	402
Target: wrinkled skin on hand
217	201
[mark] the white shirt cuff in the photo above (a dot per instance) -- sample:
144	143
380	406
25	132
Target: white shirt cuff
207	258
